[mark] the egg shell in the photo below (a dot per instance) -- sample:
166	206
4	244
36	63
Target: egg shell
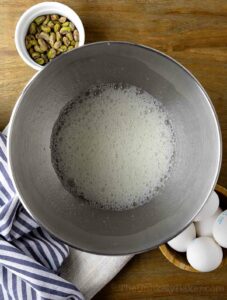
209	208
220	229
205	227
181	241
204	254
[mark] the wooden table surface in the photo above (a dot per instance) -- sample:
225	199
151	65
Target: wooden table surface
193	32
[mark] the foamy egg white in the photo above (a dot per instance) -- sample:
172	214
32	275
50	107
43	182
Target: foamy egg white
114	146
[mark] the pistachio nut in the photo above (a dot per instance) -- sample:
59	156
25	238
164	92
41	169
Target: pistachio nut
35	55
58	36
33	42
39	61
57	45
54	17
57	27
65	30
44	35
42	44
62	19
66	41
52	39
72	26
50	24
51	53
45	58
31	50
76	35
45	28
38	29
63	48
70	48
39	20
46	20
32	28
38	49
28	45
65	24
69	36
31	37
73	43
27	42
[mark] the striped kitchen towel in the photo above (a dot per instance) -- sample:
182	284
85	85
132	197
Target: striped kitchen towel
29	256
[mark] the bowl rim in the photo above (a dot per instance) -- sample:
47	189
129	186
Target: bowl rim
219	147
39	9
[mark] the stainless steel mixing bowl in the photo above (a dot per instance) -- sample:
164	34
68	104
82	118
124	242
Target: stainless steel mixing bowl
198	148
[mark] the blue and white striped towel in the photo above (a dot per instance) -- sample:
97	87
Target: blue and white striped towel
29	256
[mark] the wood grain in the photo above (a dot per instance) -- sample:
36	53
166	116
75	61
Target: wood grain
193	32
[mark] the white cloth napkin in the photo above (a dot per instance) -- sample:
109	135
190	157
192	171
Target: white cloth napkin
89	272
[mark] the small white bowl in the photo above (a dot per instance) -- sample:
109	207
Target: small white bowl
29	15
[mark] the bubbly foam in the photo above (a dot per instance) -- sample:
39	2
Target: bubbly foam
113	147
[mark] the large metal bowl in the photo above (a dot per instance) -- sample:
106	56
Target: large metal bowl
198	148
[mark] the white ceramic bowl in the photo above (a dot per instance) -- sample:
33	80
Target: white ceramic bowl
29	15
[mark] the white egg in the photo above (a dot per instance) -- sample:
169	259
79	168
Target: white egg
220	229
204	254
205	227
209	208
181	241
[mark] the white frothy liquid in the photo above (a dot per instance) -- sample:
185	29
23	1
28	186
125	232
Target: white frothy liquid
114	147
